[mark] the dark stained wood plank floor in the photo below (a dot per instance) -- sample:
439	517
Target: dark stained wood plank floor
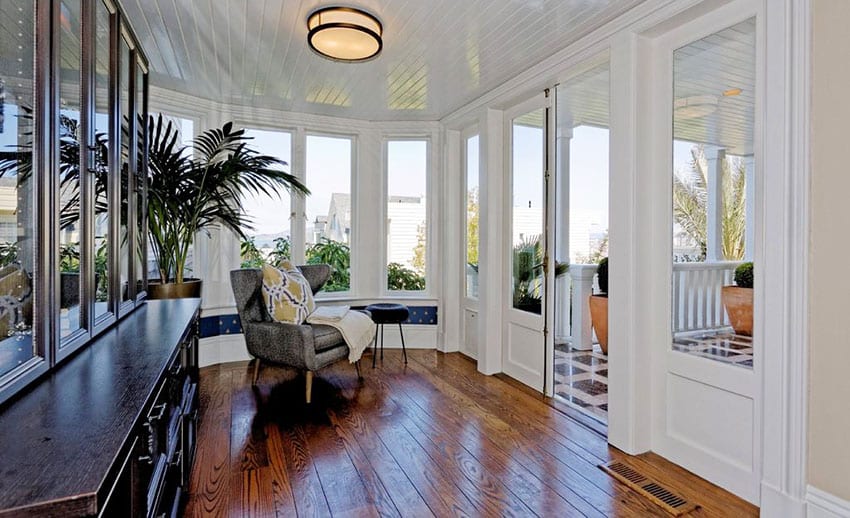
433	438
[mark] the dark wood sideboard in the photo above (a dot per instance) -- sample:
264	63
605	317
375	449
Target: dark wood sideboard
112	431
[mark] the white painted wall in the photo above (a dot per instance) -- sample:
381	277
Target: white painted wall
829	333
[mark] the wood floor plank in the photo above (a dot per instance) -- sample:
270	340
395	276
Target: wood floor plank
562	478
441	495
354	430
209	484
434	437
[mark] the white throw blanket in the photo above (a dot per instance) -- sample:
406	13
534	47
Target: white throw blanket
355	327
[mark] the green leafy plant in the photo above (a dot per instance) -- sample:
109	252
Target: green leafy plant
190	192
744	275
69	258
282	251
400	277
602	275
338	256
250	254
528	274
8	253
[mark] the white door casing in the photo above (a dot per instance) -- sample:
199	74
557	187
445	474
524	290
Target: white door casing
706	414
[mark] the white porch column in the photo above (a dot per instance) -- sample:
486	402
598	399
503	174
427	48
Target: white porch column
297	217
491	241
714	209
562	207
581	334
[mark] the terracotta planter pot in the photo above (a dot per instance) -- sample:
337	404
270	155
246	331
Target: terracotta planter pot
739	306
599	318
188	289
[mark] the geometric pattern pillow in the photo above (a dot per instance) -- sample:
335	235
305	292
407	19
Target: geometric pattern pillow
287	294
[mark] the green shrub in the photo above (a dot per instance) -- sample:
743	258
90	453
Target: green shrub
602	273
399	277
744	275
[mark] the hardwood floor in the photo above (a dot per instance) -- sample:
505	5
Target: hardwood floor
434	438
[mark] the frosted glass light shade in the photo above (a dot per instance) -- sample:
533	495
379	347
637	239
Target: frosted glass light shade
344	34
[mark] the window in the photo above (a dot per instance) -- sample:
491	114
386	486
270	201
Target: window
270	239
407	221
18	203
328	238
472	211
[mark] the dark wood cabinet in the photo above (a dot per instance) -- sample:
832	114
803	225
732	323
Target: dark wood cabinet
112	432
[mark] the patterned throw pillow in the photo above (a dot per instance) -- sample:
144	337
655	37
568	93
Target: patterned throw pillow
287	294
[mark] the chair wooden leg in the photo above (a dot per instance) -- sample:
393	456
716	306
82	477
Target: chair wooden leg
256	375
309	386
357	366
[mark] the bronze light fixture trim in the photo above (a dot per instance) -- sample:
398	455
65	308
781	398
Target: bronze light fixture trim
344	34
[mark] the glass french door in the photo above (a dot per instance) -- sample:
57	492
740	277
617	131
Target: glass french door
524	348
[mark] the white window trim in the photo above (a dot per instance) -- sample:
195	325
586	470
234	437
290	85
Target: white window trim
429	216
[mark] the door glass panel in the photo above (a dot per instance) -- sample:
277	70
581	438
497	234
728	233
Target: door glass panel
527	183
17	189
124	217
581	239
472	211
70	136
101	161
713	174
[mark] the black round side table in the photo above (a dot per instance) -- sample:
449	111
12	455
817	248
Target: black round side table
388	314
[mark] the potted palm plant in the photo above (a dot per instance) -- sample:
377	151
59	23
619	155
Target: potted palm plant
191	188
738	300
599	306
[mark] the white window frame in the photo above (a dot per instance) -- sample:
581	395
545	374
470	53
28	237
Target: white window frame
301	218
429	234
465	135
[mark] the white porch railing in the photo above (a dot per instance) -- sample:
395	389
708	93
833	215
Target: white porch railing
572	291
696	295
696	300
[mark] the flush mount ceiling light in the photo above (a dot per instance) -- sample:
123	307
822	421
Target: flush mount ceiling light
695	106
344	34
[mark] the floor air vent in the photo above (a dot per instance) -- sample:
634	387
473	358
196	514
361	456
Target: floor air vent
660	495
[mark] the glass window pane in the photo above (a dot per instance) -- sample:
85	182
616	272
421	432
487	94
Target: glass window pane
407	180
270	216
527	211
101	160
472	211
70	136
713	169
17	188
124	217
140	179
329	207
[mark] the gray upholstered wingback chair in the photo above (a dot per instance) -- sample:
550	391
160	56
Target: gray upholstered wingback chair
305	347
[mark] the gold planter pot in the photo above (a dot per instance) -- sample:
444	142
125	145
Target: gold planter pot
188	289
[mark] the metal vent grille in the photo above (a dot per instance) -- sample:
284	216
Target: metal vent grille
655	492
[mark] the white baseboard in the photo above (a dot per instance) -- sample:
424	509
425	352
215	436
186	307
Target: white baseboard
826	505
231	348
779	504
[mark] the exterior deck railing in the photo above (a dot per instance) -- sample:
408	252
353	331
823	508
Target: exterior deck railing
696	300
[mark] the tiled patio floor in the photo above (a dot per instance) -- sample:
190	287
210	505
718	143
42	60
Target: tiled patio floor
722	346
581	379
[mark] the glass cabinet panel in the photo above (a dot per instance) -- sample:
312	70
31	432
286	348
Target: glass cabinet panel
125	107
18	201
140	191
69	166
101	159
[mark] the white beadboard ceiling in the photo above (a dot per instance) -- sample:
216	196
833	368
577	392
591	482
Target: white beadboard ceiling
438	54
